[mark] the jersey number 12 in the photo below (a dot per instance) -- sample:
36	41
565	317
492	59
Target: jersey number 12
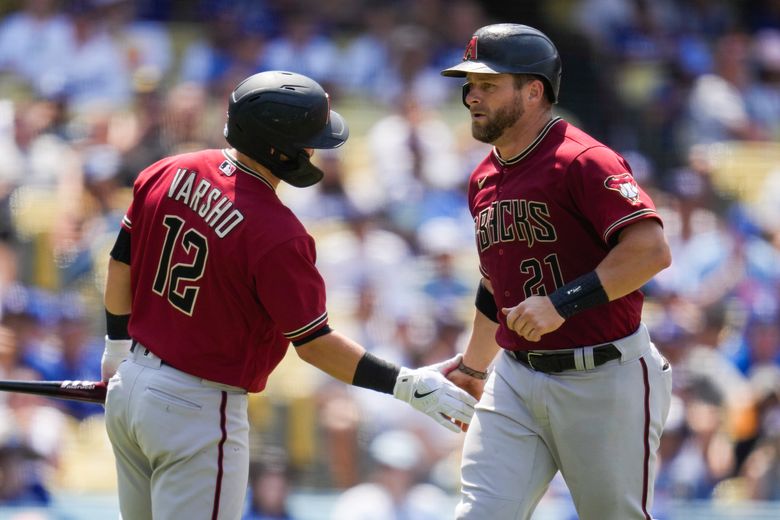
180	278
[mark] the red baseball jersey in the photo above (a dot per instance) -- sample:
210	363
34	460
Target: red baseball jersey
549	215
222	273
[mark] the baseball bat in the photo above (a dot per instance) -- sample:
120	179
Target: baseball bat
89	391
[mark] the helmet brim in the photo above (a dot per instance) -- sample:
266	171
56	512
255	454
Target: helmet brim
477	67
333	135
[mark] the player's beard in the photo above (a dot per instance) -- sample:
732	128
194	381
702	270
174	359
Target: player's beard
497	124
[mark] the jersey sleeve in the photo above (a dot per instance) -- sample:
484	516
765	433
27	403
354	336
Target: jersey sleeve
607	194
291	288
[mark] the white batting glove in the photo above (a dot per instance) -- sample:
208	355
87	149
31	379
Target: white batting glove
115	352
428	391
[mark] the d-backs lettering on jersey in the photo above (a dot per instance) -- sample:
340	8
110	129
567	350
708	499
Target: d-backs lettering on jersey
222	273
549	215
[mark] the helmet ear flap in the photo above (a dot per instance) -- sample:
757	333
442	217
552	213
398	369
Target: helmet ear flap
465	92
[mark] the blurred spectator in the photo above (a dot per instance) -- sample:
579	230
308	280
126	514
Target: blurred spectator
461	18
101	158
762	14
76	356
327	202
30	314
146	44
364	250
140	131
443	243
365	55
761	470
42	170
409	73
16	487
765	209
8	181
395	490
671	481
97	70
717	108
416	167
35	151
697	455
304	48
371	322
761	343
31	439
35	46
708	19
186	118
228	49
763	96
9	353
270	483
617	25
714	258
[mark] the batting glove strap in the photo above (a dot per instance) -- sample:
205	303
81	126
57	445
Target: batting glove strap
428	391
115	352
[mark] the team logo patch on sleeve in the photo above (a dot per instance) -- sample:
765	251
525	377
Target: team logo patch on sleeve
624	184
227	168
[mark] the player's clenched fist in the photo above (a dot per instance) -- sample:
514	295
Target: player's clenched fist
427	390
533	317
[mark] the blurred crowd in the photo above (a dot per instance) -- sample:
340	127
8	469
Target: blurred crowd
92	91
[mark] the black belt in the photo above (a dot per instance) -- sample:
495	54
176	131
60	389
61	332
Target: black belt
551	363
146	351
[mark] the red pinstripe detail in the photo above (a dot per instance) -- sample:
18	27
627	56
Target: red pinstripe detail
646	465
221	456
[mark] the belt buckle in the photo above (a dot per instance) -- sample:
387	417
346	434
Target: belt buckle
530	356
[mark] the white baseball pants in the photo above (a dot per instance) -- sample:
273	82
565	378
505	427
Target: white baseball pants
600	428
180	442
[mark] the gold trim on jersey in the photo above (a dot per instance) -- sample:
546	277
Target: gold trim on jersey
627	218
519	157
295	334
246	169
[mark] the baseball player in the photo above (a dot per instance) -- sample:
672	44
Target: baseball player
212	277
565	238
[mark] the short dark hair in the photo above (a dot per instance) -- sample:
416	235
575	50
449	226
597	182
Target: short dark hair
522	79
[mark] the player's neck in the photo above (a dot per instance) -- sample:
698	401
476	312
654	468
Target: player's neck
256	167
520	135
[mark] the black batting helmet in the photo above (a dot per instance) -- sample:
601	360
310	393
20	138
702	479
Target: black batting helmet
510	48
272	116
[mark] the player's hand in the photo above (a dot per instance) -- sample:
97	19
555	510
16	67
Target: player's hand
115	352
472	385
447	366
428	391
533	317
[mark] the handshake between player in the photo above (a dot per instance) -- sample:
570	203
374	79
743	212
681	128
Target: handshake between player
428	390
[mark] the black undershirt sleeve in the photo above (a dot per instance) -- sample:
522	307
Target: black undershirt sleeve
121	250
485	303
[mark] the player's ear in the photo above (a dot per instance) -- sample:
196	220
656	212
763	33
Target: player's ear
535	89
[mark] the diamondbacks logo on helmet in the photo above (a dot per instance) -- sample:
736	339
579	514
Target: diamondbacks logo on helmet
624	184
471	50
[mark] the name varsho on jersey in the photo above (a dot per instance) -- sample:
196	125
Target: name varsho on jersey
207	201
